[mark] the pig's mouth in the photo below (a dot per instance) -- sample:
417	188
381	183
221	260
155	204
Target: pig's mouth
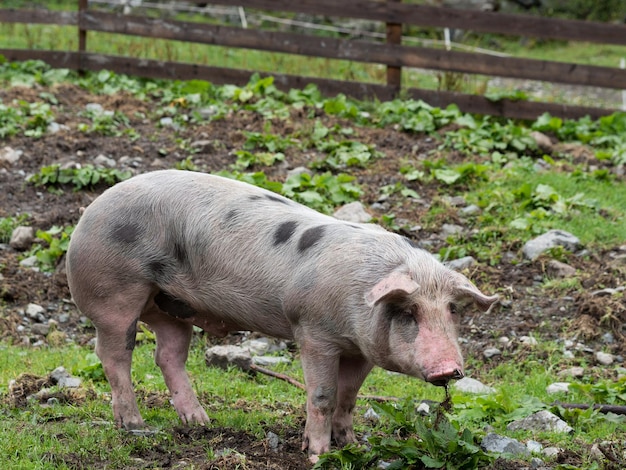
442	379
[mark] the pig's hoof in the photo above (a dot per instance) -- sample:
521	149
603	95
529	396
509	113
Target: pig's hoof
314	458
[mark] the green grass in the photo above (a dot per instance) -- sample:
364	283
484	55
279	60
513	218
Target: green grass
40	436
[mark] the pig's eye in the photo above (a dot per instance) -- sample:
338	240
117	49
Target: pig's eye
455	309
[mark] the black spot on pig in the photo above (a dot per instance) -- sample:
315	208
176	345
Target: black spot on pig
131	335
180	254
162	271
271	197
284	232
172	306
230	215
410	242
126	232
310	237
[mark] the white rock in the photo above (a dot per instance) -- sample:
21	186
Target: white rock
353	212
541	421
22	238
495	443
472	209
491	352
558	387
559	269
256	347
450	229
553	238
576	372
504	340
423	408
461	263
36	312
534	446
371	415
530	340
269	361
551	451
64	379
225	356
10	155
543	141
469	385
104	162
603	358
30	262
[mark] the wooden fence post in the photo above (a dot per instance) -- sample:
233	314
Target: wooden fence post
82	33
394	36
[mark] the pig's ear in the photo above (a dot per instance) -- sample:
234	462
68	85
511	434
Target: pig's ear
467	290
396	284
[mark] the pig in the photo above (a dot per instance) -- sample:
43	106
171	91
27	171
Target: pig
176	249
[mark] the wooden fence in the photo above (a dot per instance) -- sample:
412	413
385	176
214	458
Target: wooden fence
390	53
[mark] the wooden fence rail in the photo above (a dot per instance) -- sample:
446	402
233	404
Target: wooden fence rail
392	53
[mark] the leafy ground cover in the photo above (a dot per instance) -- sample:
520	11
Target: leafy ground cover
414	167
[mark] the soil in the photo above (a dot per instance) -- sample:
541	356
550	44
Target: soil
526	308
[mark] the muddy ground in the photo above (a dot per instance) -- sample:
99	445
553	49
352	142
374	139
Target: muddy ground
526	309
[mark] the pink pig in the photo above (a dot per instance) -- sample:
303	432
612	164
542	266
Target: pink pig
176	249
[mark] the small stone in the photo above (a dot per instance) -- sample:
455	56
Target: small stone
559	269
353	212
35	312
64	379
608	338
64	318
166	122
534	446
103	161
457	201
22	238
371	415
495	443
40	329
530	340
575	372
543	141
472	209
504	340
423	409
540	421
297	171
469	385
461	263
491	352
225	356
551	451
95	108
30	262
10	155
558	387
272	440
451	229
551	239
269	361
603	358
256	347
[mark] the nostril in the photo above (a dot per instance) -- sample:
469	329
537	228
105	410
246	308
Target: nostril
457	374
442	379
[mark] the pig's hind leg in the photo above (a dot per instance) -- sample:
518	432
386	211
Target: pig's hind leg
116	327
173	337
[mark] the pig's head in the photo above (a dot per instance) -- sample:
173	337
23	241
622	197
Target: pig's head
416	317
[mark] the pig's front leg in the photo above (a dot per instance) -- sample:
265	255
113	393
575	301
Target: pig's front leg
173	337
320	365
352	373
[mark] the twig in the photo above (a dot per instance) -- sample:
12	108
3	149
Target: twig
301	386
617	409
277	375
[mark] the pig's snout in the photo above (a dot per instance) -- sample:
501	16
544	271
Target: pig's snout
441	377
